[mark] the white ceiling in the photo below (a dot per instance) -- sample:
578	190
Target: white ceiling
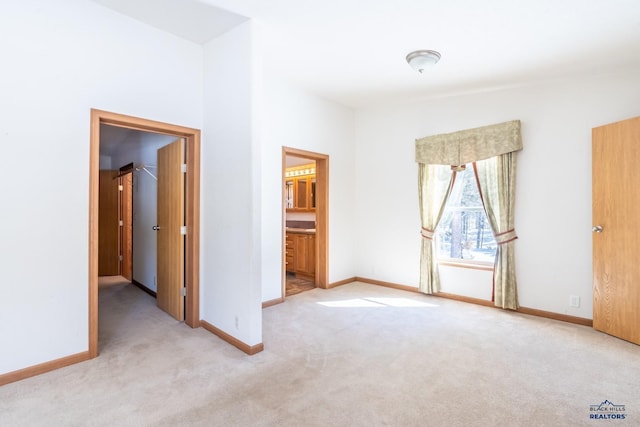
291	161
114	139
190	19
353	51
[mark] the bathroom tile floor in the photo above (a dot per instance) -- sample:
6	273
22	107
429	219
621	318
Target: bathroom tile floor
295	285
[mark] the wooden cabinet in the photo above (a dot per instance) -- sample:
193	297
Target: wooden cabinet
300	189
300	257
289	254
305	251
301	194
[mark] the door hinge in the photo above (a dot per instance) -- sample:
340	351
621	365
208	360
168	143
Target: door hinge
183	168
183	292
121	222
183	230
120	257
120	188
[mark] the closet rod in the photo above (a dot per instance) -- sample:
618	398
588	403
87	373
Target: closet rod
144	168
141	167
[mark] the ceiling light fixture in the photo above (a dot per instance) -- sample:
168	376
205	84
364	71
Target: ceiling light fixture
421	59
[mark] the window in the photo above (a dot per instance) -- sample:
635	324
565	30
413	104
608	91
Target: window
464	233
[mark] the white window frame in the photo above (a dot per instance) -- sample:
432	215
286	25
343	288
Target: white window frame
460	262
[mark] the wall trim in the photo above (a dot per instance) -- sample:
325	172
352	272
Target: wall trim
272	302
386	284
523	310
556	316
144	288
342	282
249	349
42	368
462	298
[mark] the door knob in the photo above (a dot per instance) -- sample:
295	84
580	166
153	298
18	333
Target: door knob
597	229
156	227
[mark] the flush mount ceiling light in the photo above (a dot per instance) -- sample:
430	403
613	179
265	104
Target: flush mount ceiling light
421	59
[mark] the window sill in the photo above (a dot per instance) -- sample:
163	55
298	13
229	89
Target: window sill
467	264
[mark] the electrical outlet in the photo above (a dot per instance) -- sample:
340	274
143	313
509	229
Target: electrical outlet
574	301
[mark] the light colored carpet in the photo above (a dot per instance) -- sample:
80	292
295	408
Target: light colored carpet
356	355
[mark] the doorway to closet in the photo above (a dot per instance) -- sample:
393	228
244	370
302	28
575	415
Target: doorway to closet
142	201
163	161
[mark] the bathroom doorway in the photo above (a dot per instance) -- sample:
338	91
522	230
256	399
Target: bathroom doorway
305	210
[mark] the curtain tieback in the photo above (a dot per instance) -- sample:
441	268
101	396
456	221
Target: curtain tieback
427	234
506	236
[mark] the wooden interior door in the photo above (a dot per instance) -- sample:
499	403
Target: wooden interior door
170	240
126	226
616	251
108	253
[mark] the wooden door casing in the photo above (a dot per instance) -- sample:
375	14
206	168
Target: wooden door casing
171	214
616	204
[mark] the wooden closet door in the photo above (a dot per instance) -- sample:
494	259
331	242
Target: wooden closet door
616	236
108	249
170	239
126	227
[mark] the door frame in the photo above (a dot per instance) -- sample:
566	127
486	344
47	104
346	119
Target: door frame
192	212
125	231
322	215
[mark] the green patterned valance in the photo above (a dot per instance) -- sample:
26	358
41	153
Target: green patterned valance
465	146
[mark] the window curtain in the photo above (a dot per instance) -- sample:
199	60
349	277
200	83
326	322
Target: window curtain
435	183
496	182
493	148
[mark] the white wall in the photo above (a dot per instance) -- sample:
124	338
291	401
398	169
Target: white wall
553	204
61	59
231	248
142	148
105	161
298	119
